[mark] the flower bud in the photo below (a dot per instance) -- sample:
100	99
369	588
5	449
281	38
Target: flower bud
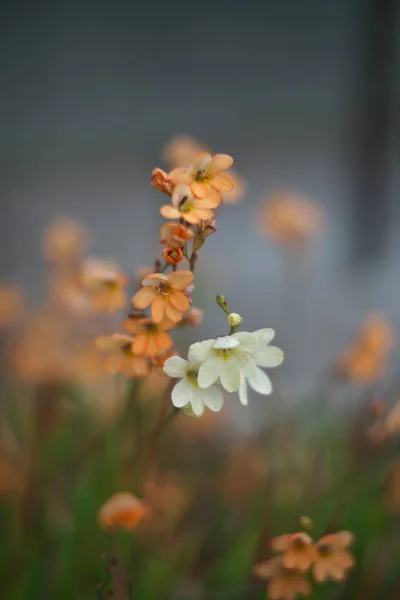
222	303
234	319
306	523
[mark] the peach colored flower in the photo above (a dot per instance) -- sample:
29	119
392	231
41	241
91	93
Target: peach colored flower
298	549
188	207
376	334
123	511
120	357
64	240
289	219
173	256
165	294
105	285
205	175
182	150
159	180
150	338
175	235
283	584
11	305
333	560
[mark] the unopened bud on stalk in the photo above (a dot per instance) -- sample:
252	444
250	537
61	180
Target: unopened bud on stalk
222	303
234	319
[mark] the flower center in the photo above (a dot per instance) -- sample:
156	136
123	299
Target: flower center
164	289
186	205
224	353
299	544
127	351
191	374
151	328
202	176
324	550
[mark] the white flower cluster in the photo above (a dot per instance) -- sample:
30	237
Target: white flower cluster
232	360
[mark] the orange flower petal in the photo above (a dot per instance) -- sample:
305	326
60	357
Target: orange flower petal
169	212
164	340
180	280
139	344
179	301
158	309
173	313
152	346
191	218
203	214
112	364
179	175
209	201
221	162
144	297
199	189
222	182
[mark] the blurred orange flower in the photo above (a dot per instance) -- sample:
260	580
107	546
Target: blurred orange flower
120	358
64	240
173	256
188	207
165	294
123	511
175	235
205	175
11	305
366	359
193	318
168	499
159	180
289	219
298	548
150	338
284	584
182	150
333	559
105	284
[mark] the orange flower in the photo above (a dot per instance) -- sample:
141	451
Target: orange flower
122	511
376	334
165	294
11	305
284	584
175	235
298	548
120	357
173	256
105	284
150	338
189	208
333	559
159	180
64	240
290	219
205	175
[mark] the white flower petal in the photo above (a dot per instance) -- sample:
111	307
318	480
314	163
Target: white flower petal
269	356
246	363
209	372
260	383
182	393
248	341
264	336
230	374
224	342
200	351
212	397
197	404
175	366
243	390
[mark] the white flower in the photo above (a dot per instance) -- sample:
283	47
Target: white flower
225	358
263	356
187	391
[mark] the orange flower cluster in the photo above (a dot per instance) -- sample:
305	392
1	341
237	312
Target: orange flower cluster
328	558
196	190
365	360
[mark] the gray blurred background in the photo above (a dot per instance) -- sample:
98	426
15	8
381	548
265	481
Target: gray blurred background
304	95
